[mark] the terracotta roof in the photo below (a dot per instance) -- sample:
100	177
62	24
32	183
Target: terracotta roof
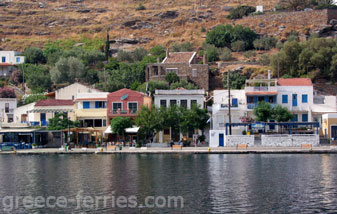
6	64
295	82
179	57
261	93
52	102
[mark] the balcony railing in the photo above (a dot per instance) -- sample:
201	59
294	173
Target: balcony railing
260	89
123	112
253	105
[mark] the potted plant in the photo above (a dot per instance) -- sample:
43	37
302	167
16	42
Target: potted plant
34	146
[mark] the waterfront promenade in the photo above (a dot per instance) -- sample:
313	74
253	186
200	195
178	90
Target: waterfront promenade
185	150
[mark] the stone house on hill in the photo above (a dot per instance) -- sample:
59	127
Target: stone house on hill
184	64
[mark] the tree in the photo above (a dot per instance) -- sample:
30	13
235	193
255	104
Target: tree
182	47
263	111
281	114
38	78
60	121
226	54
152	85
67	70
138	54
16	77
241	11
183	84
237	80
33	98
294	4
158	51
194	118
119	124
34	55
238	46
333	69
150	121
172	77
6	92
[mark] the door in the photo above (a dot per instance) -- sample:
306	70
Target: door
43	119
294	99
221	140
334	132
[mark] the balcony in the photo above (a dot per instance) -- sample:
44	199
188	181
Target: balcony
128	112
253	105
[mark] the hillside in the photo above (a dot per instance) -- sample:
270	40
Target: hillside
25	23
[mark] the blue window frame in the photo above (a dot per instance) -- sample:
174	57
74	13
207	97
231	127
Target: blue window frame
304	98
99	104
304	117
3	59
294	99
86	105
234	102
17	59
285	98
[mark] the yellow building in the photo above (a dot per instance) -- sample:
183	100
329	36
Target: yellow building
329	125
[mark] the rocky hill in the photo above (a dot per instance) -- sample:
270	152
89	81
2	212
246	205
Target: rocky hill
35	22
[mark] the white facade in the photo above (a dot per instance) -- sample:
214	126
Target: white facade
92	98
7	106
180	97
71	92
22	114
11	57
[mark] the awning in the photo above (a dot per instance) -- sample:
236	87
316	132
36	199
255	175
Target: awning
133	130
18	130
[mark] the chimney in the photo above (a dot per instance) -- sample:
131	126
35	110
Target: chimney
269	74
158	60
204	59
167	53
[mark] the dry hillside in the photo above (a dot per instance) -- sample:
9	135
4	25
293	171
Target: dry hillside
34	22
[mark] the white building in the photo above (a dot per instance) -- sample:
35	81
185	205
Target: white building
70	92
23	114
8	59
180	97
7	106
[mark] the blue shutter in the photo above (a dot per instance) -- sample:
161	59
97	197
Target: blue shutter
3	59
304	98
304	117
284	98
97	104
86	105
234	102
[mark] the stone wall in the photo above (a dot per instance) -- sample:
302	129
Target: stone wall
234	140
289	140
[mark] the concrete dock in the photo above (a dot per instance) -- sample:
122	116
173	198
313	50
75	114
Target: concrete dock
184	150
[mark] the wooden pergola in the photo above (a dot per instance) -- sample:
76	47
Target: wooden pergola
89	130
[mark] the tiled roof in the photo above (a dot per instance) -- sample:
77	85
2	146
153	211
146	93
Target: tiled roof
53	102
261	93
295	82
6	64
179	57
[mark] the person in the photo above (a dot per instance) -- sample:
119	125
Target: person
134	142
180	143
171	143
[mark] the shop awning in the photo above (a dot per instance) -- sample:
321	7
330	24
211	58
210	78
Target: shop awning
133	130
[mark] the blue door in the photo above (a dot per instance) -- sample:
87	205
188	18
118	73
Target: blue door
294	99
43	119
221	140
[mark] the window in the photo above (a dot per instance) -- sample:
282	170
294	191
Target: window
116	106
99	104
271	99
175	70
3	59
284	98
155	71
17	59
193	102
194	73
235	102
294	99
260	99
250	99
166	131
98	123
86	105
133	107
6	107
163	103
304	117
73	97
304	98
183	103
173	102
104	123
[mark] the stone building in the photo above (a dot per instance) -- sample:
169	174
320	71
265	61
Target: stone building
184	64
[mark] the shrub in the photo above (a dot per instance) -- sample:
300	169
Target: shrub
249	54
238	46
172	77
264	59
212	53
240	12
182	47
226	55
140	7
265	43
7	93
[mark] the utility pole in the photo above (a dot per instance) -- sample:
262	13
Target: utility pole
229	102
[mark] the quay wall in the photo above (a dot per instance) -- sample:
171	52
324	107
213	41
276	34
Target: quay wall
289	140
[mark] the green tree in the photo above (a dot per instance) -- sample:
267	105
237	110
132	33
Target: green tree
237	80
119	124
334	69
138	54
194	118
38	78
241	11
158	51
225	54
238	46
34	55
263	111
150	122
281	114
152	86
31	98
183	84
172	77
67	70
182	47
60	122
